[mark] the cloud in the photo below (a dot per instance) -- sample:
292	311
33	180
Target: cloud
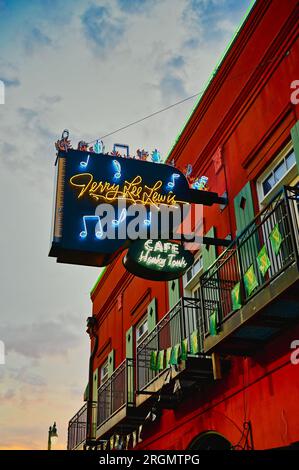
36	39
44	338
50	100
10	82
101	28
212	20
22	375
172	88
135	6
7	395
176	62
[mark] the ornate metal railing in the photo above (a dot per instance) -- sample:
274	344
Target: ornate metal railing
267	246
116	392
77	428
181	323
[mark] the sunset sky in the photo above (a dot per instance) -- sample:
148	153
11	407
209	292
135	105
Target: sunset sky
90	67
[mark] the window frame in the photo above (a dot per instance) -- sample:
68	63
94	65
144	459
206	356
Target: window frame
104	378
190	285
143	320
288	176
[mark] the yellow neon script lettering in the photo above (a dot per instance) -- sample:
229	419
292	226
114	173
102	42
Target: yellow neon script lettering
132	191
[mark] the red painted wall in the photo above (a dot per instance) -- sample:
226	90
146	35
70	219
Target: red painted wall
247	112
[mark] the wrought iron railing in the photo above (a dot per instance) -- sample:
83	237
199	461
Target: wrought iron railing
116	392
267	246
77	428
180	323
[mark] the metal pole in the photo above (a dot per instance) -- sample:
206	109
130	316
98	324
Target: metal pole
49	438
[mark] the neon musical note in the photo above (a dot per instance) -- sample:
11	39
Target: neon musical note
99	146
189	170
84	164
149	220
122	217
98	232
171	183
117	168
200	183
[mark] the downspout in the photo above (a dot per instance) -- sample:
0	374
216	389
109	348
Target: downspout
91	327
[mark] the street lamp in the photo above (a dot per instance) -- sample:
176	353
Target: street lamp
52	434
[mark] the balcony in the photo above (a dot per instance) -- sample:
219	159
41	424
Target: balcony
117	413
250	293
77	430
173	350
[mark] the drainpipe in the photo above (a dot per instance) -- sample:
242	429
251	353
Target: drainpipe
91	327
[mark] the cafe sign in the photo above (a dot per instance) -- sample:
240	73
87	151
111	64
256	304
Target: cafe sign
160	260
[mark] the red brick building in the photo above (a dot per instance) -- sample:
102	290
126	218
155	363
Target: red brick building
239	388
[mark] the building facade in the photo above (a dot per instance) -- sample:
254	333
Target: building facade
229	326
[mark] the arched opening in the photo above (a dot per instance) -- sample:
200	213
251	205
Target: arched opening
210	440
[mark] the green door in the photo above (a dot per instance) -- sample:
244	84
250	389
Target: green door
152	314
173	292
130	366
211	289
95	383
111	363
295	140
208	251
244	213
175	333
244	208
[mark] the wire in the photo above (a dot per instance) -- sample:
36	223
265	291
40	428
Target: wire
179	102
146	117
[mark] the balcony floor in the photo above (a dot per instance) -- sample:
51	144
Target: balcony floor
193	371
272	310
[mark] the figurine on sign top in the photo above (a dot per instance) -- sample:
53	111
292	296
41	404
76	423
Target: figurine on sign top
188	170
142	154
82	146
64	143
115	153
201	183
99	146
156	156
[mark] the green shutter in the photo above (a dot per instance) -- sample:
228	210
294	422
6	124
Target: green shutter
152	314
244	213
174	323
129	343
86	393
208	251
173	292
95	384
130	371
110	363
244	208
295	140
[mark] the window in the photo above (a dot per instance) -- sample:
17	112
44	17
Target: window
281	172
191	277
141	330
104	372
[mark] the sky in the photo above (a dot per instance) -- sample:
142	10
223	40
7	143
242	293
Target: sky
90	67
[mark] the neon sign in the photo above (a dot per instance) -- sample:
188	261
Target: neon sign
87	180
133	191
159	260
